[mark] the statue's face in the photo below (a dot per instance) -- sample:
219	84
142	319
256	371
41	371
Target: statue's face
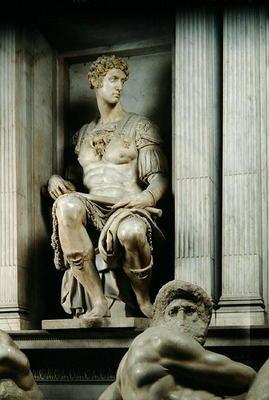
112	86
185	315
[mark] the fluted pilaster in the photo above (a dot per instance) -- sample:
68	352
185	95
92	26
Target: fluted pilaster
26	113
196	147
244	159
8	187
13	182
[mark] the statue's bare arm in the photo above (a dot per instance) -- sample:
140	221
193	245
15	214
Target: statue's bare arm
187	360
260	388
158	184
12	361
149	197
15	366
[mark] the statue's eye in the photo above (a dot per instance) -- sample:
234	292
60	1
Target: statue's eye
173	311
189	310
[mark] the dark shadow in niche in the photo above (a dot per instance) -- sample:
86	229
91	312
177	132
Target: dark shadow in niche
164	269
43	281
49	276
81	112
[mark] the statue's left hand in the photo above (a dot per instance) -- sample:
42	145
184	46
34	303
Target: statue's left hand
141	200
58	186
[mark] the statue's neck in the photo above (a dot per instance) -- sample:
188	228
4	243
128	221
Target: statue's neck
110	113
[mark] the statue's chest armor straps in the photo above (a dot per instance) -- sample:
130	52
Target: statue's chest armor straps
115	144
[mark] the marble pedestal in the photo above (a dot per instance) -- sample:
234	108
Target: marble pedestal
80	323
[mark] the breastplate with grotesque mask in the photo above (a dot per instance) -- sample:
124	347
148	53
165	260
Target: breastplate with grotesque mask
108	144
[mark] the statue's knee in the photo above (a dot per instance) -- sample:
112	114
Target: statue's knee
132	233
69	210
80	259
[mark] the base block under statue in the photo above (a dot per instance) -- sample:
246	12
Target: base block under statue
80	323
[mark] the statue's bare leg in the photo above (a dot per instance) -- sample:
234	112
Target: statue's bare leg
137	261
78	250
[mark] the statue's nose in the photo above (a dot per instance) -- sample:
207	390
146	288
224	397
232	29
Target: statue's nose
119	85
181	315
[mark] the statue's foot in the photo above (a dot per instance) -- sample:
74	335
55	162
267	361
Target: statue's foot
98	311
147	309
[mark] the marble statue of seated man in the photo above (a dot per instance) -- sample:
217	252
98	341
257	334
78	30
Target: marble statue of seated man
16	378
124	171
168	361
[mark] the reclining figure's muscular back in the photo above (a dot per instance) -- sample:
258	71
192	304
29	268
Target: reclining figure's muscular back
168	361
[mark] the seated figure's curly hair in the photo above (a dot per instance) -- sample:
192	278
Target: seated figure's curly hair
102	65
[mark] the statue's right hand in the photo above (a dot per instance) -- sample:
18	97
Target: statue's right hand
58	186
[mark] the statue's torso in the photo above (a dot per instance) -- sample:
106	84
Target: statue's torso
109	159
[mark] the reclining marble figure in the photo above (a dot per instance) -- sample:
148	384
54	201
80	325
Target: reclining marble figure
168	361
16	378
124	171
